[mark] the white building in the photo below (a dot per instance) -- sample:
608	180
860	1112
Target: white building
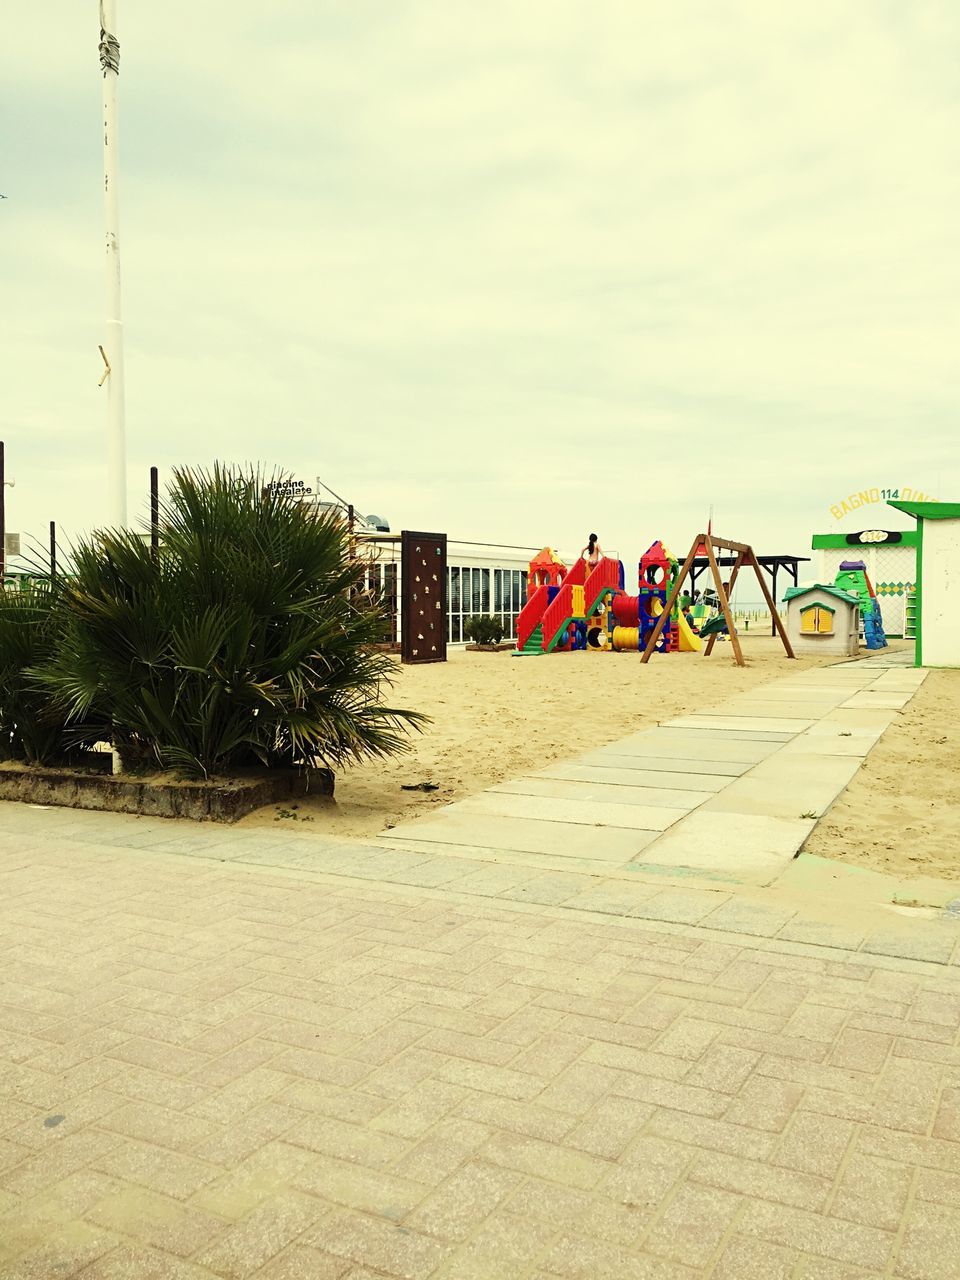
482	578
938	581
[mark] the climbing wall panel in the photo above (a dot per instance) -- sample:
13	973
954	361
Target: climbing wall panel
423	604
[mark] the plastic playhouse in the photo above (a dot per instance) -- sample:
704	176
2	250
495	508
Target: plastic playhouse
852	577
828	617
588	609
823	619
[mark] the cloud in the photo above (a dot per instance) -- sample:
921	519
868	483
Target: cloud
504	270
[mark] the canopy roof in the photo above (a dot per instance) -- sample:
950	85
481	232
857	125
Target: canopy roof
791	593
929	510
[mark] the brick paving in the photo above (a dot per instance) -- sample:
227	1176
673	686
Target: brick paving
218	1070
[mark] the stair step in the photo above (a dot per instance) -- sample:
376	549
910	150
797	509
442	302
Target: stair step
535	642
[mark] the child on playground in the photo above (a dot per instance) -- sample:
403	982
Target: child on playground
592	552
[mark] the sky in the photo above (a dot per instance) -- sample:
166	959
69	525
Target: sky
515	272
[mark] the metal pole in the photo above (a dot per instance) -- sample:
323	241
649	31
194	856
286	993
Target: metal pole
113	345
154	512
53	550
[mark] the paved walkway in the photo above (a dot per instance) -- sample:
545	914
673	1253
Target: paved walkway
718	864
235	1053
673	823
730	793
217	1069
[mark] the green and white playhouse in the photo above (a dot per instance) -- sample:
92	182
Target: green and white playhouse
938	581
823	619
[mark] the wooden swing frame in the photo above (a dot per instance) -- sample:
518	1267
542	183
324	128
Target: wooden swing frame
746	556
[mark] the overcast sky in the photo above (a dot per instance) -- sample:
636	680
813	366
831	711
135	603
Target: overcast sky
516	271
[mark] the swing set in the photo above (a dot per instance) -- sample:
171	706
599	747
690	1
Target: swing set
704	544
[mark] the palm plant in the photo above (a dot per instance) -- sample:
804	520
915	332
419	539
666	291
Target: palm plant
237	643
29	728
485	629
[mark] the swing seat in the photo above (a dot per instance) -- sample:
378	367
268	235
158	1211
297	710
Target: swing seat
714	625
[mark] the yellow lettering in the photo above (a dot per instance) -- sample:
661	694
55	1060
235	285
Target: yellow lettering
853	500
906	495
874	495
845	508
836	513
864	496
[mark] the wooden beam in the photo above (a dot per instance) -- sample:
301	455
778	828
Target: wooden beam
771	605
712	638
671	600
724	603
727	545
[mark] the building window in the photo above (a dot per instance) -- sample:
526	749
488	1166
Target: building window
474	590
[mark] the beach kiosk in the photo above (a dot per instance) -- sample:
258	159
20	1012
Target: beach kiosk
938	581
823	619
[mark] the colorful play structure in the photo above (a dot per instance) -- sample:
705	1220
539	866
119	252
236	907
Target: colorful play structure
587	608
852	577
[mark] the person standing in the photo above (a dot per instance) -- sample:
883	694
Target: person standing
592	552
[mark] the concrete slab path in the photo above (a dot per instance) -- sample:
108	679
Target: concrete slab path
746	780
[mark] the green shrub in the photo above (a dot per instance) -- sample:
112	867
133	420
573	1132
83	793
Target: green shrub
484	629
29	728
237	644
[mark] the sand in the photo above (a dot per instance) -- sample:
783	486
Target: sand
496	716
901	812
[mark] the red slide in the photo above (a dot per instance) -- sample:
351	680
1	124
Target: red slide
558	615
531	615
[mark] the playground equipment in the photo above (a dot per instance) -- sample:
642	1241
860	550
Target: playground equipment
852	577
704	544
823	619
588	609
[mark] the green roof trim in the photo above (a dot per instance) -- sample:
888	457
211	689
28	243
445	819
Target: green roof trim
808	608
929	510
792	592
838	541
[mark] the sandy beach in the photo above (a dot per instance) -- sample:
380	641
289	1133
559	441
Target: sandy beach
901	812
495	716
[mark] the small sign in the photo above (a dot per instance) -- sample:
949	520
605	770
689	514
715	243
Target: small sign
873	536
288	488
853	501
11	544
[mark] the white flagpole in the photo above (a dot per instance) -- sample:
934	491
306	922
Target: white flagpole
113	345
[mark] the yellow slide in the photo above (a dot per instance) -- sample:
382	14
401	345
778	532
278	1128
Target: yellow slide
689	643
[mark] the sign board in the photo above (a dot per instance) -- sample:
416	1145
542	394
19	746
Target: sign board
864	497
288	488
870	537
11	544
